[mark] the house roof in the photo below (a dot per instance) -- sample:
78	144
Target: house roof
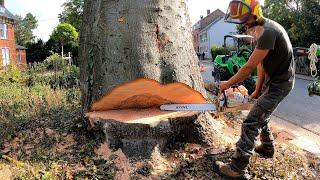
4	12
206	21
212	23
20	47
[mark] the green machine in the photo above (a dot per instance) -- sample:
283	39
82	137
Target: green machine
230	63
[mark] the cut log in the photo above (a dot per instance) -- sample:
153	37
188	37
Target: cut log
147	93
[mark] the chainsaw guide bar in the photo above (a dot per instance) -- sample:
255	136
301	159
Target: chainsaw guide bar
188	107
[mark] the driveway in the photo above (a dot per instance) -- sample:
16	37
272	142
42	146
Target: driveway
301	109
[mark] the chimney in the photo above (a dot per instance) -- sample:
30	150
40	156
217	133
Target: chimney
208	11
2	2
201	17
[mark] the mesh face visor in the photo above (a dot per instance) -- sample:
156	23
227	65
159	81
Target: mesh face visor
238	12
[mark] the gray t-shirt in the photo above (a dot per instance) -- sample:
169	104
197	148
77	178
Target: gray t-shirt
279	63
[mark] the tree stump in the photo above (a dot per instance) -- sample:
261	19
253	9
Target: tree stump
131	119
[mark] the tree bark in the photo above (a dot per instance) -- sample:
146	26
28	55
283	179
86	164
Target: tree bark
125	40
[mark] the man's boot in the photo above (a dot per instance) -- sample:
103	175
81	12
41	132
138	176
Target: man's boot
266	151
266	148
227	170
237	169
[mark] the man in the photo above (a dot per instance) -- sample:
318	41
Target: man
273	57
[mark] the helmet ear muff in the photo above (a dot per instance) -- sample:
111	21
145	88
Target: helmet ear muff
257	11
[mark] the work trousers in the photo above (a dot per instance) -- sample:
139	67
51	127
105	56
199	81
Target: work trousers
257	123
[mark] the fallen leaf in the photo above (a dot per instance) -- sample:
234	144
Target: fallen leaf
103	151
49	132
121	19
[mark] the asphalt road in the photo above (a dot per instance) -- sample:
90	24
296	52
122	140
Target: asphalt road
298	108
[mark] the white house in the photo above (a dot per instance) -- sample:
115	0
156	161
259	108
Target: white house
214	34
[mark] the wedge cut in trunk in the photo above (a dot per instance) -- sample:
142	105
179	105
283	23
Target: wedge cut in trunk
147	93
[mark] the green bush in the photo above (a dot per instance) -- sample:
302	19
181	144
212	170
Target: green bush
68	77
12	75
55	62
217	50
37	67
220	50
20	105
54	72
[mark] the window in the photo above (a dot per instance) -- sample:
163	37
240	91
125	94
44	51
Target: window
3	31
19	56
5	56
203	37
2	10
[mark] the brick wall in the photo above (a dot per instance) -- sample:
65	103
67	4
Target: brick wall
9	43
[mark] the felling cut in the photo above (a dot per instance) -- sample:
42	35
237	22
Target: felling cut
130	115
146	93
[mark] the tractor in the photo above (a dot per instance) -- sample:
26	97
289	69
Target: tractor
229	64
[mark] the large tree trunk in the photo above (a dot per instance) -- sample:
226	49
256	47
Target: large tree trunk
128	39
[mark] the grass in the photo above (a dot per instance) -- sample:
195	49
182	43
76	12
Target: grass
44	129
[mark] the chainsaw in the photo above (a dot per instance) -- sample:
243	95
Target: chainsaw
233	97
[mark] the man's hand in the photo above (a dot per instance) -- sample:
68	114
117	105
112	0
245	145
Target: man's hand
255	95
224	85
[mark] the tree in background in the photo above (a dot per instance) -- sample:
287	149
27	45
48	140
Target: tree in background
24	27
37	51
72	13
301	18
64	33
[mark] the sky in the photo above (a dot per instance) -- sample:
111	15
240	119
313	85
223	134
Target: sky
46	11
200	7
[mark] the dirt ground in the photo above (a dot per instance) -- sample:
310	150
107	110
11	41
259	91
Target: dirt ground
66	150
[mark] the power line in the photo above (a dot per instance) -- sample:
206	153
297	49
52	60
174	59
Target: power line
49	19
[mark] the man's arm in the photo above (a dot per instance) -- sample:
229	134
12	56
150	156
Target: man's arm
261	78
260	81
256	58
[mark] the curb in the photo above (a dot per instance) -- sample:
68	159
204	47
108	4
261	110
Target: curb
303	138
304	77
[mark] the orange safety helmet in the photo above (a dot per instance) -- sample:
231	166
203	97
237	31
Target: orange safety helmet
239	11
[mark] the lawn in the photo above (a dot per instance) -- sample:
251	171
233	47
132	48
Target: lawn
42	126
